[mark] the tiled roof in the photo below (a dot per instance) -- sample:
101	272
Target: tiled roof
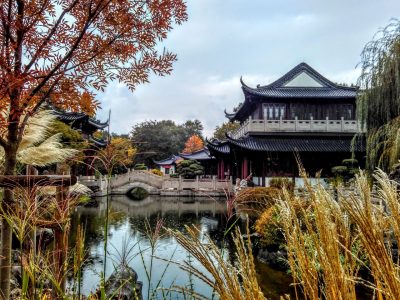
324	89
298	144
74	116
168	161
203	154
97	142
97	123
68	116
301	92
221	147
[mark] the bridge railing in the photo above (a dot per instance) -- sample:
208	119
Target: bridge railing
159	182
196	184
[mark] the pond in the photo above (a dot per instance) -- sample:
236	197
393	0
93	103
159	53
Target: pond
127	225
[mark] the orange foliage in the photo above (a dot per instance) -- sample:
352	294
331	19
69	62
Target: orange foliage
63	51
193	144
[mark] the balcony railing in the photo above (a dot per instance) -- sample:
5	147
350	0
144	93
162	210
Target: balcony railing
270	126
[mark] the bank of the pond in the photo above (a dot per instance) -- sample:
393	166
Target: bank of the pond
127	224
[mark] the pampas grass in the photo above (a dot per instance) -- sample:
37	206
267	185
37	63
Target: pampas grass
329	240
230	282
36	148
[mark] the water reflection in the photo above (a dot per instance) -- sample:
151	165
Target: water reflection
127	221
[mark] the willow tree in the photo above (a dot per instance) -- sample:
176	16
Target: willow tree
379	103
63	52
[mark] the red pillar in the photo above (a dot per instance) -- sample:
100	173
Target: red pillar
245	168
222	170
219	169
263	172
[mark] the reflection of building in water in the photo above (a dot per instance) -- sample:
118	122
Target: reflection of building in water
155	205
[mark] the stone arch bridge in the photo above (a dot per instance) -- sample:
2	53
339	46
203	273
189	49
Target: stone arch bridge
121	184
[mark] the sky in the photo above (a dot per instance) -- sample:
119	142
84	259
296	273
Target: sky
258	39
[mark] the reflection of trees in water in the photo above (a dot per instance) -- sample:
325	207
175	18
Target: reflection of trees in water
92	220
209	218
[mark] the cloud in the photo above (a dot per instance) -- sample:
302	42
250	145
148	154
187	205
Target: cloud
258	39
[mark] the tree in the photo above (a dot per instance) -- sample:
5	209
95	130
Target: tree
226	128
379	102
193	144
120	153
161	139
194	128
189	168
63	51
70	137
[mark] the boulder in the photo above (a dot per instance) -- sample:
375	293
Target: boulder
276	259
123	284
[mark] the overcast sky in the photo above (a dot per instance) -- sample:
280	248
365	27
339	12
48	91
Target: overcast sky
258	39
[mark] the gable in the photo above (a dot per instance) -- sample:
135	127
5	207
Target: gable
302	80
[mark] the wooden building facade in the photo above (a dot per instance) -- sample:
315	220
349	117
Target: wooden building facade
301	114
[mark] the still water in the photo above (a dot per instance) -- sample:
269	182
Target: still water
127	225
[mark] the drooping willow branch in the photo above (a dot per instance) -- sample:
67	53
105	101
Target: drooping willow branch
379	102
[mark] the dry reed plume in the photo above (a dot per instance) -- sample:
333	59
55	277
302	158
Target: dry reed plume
330	239
230	282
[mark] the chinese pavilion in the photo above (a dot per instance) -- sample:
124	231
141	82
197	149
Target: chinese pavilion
302	113
203	156
84	124
87	126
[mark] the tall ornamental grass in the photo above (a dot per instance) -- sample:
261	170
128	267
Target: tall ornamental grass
337	236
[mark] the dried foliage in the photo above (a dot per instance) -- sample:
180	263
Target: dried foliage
63	50
230	282
334	238
37	148
116	157
257	199
35	209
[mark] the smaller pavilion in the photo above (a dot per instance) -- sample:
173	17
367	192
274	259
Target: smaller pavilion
203	156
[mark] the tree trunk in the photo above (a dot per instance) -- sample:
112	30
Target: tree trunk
8	200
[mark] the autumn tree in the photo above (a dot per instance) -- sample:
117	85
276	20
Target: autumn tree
193	144
161	139
225	128
120	153
62	52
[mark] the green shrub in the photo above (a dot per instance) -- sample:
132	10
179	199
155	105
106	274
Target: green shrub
339	170
140	167
189	168
345	172
350	162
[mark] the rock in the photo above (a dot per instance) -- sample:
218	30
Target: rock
44	236
15	256
395	173
92	202
123	282
15	293
276	259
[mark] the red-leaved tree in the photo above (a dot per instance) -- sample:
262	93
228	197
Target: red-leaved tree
193	144
62	52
